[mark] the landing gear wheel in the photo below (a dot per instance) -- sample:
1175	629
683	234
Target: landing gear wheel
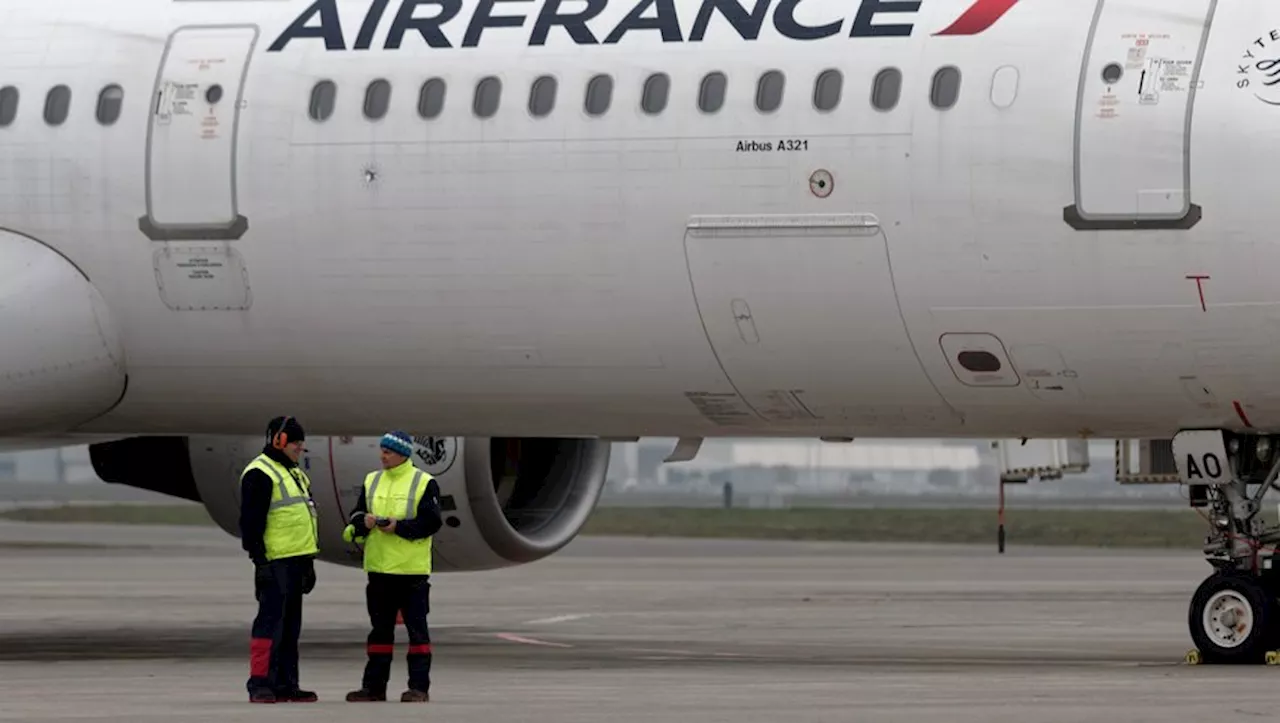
1233	619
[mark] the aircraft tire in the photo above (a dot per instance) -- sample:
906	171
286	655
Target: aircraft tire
1234	619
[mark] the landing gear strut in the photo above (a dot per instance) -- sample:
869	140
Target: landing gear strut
1234	616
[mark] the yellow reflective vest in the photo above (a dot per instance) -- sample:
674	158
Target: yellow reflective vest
291	519
394	493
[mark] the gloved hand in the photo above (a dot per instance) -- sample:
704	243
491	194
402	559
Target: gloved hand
309	579
262	578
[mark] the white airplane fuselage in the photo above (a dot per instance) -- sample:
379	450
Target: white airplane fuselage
1064	250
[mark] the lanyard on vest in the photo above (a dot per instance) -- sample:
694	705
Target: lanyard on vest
297	479
286	498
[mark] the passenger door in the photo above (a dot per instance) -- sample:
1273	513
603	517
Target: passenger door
191	138
1133	114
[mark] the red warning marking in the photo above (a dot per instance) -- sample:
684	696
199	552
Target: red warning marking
980	16
1200	279
333	476
1240	413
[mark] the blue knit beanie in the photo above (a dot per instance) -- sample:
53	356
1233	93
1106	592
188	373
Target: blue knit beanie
398	442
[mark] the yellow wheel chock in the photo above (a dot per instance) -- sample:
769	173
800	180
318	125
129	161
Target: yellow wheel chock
1194	657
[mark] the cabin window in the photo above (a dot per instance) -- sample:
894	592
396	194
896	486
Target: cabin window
712	91
599	95
769	91
945	89
488	96
431	98
886	89
377	99
657	88
827	89
1004	86
542	96
110	103
323	98
57	105
8	105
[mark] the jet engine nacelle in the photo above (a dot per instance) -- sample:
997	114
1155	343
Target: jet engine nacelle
504	502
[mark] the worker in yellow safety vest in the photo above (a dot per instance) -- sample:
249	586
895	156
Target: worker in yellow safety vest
278	530
395	518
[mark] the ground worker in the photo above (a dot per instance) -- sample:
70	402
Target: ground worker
278	530
395	517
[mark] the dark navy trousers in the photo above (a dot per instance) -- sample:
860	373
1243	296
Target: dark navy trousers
410	596
273	649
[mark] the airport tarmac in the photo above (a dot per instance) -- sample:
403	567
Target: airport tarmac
151	623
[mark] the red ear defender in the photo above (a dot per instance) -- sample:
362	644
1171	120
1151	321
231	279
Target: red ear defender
281	439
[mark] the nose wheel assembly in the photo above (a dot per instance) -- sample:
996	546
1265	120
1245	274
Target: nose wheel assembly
1234	615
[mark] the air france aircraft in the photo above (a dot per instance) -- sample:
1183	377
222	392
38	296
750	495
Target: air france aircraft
525	228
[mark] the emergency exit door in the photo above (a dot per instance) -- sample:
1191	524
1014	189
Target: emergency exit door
191	138
1133	114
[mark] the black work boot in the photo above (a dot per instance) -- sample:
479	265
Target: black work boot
262	695
364	695
296	696
414	696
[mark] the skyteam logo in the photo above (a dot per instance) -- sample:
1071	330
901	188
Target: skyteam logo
436	21
1258	70
437	453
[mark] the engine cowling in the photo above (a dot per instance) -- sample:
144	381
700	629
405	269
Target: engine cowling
504	501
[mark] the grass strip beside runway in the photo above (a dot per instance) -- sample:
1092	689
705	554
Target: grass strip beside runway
1178	528
114	514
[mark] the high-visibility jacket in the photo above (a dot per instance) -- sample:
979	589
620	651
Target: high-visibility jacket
394	493
291	519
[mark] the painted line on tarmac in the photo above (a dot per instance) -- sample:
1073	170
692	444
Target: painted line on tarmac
513	638
557	619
